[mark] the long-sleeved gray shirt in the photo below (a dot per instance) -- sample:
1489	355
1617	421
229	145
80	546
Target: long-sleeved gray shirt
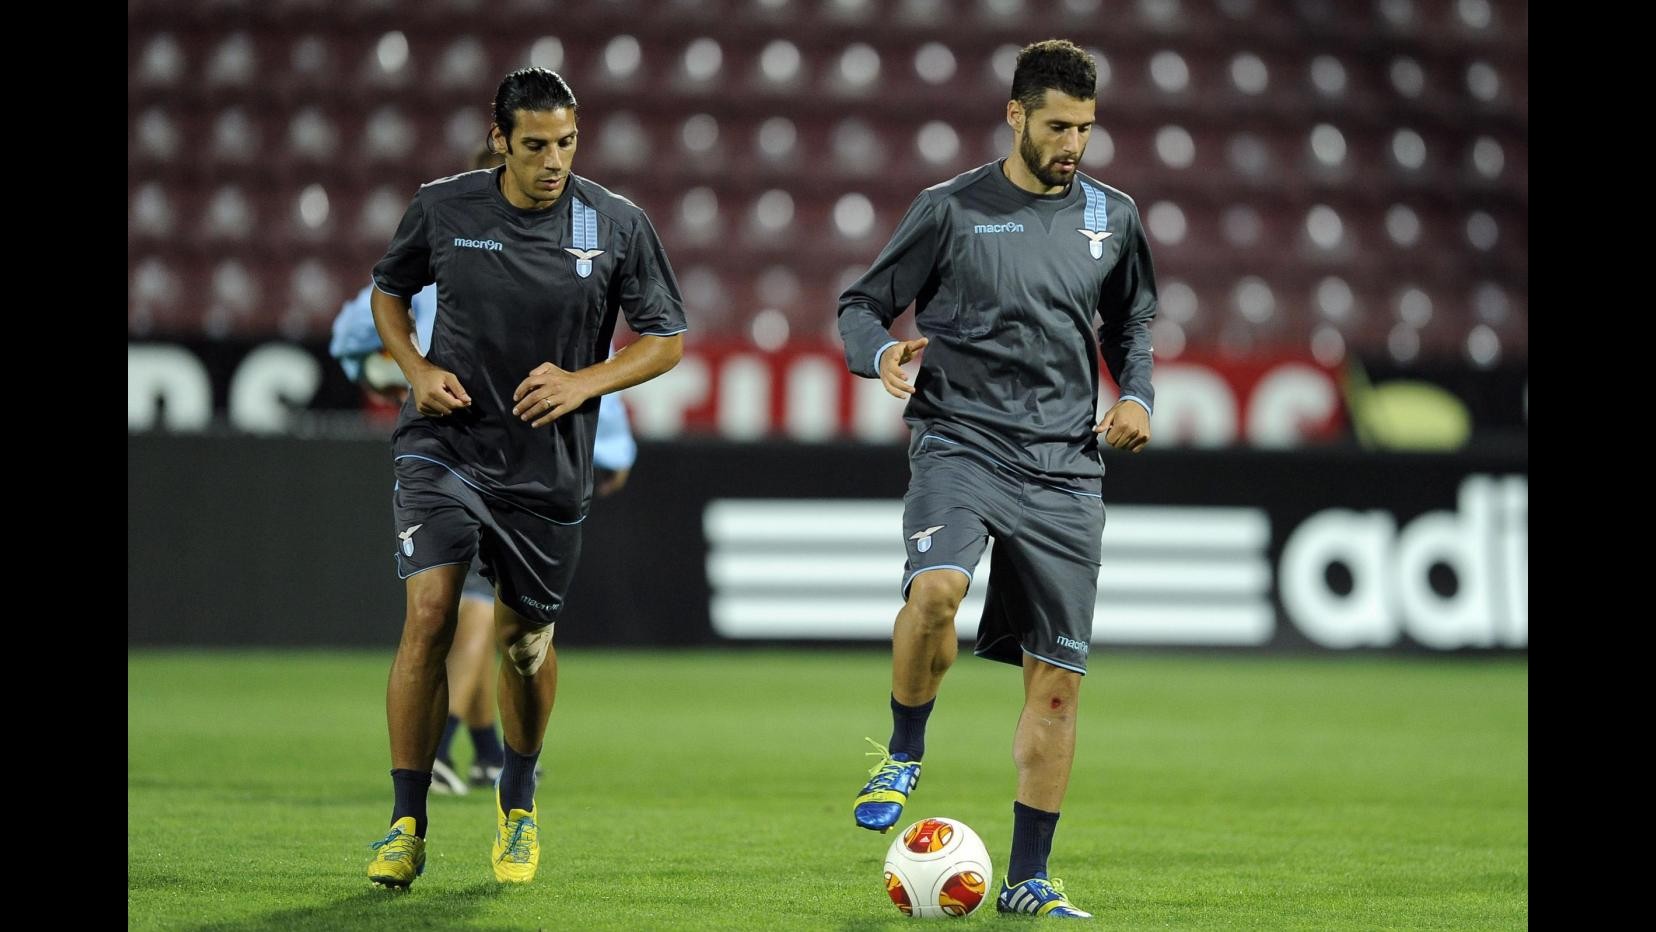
1009	287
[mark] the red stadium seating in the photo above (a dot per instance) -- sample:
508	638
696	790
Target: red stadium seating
273	146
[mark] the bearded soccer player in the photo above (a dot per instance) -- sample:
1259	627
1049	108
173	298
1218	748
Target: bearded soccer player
1022	272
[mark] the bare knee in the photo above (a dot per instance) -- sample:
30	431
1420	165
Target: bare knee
934	597
428	630
527	648
1052	691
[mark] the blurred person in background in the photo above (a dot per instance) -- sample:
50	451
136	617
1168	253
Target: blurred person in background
493	448
1016	267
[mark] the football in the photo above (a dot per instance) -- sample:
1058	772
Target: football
937	867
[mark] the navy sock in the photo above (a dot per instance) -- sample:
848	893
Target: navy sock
908	729
449	728
487	745
517	781
1032	831
411	787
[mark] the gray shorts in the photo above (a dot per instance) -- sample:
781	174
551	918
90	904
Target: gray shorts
442	519
1043	574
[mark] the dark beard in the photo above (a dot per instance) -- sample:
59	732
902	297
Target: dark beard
1032	161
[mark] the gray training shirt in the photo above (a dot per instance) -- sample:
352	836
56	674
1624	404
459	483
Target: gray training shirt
516	288
1009	287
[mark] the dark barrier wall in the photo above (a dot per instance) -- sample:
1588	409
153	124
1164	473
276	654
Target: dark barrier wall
237	540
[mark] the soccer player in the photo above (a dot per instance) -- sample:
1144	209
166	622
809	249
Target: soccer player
356	344
493	448
1013	267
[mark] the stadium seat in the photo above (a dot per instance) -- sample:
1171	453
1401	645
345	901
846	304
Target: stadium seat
1282	144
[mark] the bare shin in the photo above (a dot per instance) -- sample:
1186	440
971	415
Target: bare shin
416	695
923	641
1044	746
528	682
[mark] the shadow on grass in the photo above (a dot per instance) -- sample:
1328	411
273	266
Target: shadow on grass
376	908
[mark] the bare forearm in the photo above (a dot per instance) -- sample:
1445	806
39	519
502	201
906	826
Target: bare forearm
639	361
395	323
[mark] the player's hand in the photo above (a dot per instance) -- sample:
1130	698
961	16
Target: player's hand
438	392
548	394
1126	426
610	481
891	361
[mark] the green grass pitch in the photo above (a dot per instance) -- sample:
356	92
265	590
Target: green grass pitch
712	790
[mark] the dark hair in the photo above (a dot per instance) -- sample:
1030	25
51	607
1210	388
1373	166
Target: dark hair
1056	63
529	89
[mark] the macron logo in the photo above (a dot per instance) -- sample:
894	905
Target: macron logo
998	228
1073	644
488	244
543	606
